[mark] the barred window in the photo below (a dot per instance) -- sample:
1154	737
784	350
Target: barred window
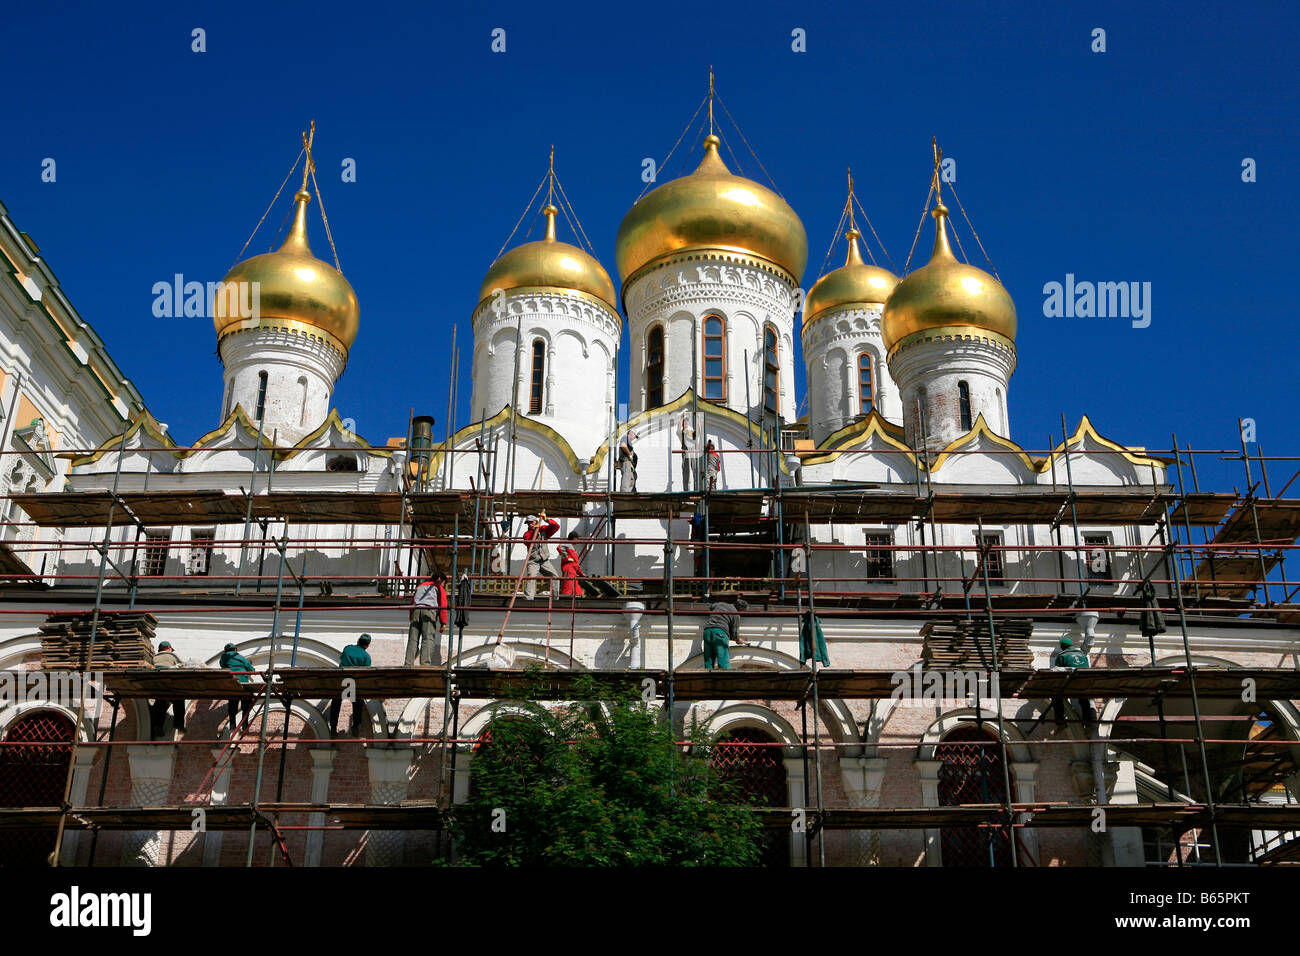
155	552
771	371
654	367
715	358
993	558
539	377
1098	556
866	384
880	563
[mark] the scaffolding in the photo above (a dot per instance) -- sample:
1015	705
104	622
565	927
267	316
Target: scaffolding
1231	578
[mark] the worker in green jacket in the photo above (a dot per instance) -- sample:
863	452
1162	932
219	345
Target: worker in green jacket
1067	655
721	628
242	667
354	655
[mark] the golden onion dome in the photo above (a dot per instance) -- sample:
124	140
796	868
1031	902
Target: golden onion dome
712	209
947	297
549	264
296	291
854	283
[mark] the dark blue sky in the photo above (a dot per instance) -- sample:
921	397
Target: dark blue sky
1116	166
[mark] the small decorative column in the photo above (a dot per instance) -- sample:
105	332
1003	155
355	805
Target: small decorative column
794	783
151	778
1126	842
322	765
73	845
863	777
929	773
220	793
390	772
1024	777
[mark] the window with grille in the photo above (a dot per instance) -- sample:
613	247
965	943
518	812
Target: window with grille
200	560
971	771
748	758
993	558
880	563
33	775
715	382
155	552
261	396
771	372
654	367
1097	546
866	384
539	377
963	395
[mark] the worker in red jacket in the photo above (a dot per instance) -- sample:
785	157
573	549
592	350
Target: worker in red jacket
570	567
538	565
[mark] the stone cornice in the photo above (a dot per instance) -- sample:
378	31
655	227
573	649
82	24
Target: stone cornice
547	303
701	278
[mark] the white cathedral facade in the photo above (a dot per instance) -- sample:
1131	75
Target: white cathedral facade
908	385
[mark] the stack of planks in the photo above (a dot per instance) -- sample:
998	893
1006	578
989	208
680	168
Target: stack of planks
958	644
122	639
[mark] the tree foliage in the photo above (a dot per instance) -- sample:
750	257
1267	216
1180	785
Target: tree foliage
600	782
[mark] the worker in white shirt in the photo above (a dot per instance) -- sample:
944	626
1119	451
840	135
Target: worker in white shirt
428	618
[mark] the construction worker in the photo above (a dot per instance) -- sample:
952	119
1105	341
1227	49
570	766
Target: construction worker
428	617
690	463
570	568
712	466
721	628
166	657
242	667
354	655
538	563
627	463
1068	657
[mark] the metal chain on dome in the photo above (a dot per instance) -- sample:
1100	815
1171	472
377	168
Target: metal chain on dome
834	238
964	258
924	209
686	154
268	209
576	224
883	248
740	170
311	166
747	146
664	164
527	206
953	188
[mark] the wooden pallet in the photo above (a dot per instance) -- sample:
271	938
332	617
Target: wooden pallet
122	639
960	644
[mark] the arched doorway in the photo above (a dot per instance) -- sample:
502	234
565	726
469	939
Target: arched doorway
971	771
1247	757
33	774
747	757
